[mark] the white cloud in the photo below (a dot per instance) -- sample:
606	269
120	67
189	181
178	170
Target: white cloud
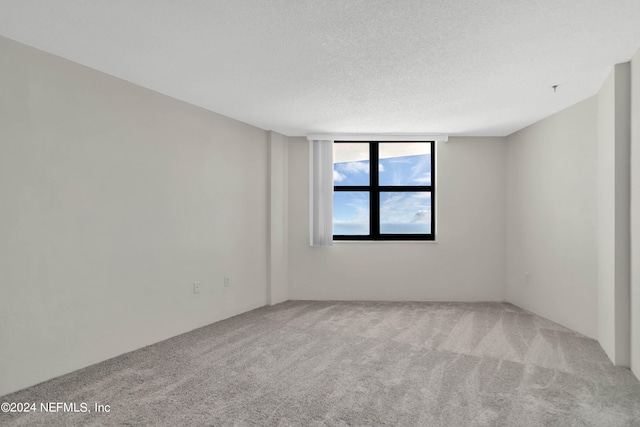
337	176
405	208
424	179
353	167
421	195
380	167
350	208
361	215
422	217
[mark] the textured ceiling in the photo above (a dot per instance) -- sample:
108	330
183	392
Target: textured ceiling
304	66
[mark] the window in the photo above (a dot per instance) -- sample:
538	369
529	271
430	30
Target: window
384	190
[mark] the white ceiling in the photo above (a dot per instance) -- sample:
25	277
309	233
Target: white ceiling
463	67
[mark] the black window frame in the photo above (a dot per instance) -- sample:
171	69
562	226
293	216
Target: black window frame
374	190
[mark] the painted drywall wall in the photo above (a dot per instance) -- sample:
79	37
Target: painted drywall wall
114	200
635	214
278	218
466	264
613	171
606	208
552	218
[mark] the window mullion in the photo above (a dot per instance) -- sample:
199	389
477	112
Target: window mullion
351	188
374	195
400	188
433	189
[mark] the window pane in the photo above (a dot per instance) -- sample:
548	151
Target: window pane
351	213
405	163
405	213
351	163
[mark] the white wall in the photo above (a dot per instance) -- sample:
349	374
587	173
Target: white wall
278	218
466	264
552	218
613	119
635	214
114	200
606	207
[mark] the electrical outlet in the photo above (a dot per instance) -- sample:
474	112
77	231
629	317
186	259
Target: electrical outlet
227	281
196	287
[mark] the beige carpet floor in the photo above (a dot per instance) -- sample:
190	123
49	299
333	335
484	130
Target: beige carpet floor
354	364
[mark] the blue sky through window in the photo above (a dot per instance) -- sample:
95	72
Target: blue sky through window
400	212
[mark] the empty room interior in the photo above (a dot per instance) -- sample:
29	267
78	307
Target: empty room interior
328	213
